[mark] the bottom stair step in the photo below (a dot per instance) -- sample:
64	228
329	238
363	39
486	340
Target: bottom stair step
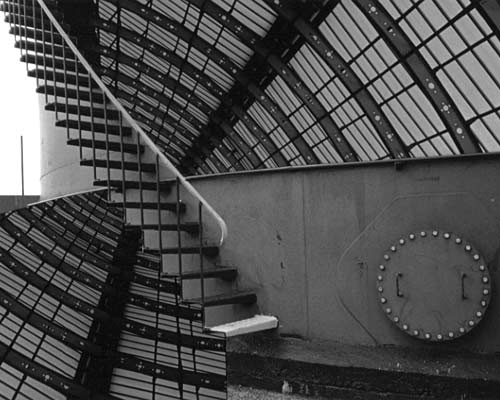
246	297
190	227
209	251
226	273
258	323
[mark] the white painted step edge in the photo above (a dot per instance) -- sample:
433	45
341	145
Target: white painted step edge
251	325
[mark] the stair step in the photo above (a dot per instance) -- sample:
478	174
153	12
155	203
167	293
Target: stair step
225	273
83	80
113	164
83	110
18	20
103	145
189	227
165	187
48	62
240	297
41	47
169	206
209	251
84	95
40	35
98	127
14	8
255	324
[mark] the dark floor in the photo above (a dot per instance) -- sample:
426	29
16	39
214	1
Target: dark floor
244	393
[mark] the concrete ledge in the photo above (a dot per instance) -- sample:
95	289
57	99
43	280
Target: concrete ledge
333	370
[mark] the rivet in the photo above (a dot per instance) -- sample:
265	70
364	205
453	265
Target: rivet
439	336
388	310
386	257
423	234
483	303
380	289
485	279
481	268
427	335
451	334
479	314
412	236
396	319
405	327
458	240
486	292
383	300
381	267
402	242
462	329
434	233
380	278
471	323
393	249
415	332
476	257
468	247
446	235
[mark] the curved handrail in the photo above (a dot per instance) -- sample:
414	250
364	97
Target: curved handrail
134	124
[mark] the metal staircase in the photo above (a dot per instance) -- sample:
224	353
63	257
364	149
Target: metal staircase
139	177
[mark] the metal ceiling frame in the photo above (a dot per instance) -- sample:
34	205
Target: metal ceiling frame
422	74
346	74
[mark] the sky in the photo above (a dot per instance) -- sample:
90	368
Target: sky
19	115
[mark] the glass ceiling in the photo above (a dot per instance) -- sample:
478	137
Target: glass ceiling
228	85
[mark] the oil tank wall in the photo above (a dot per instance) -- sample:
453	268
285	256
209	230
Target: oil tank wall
60	170
310	240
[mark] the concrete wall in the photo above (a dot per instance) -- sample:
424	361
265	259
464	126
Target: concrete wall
310	240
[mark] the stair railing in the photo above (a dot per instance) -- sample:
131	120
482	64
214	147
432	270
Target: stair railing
61	40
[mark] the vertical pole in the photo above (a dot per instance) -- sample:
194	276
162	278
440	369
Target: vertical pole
202	272
178	214
22	166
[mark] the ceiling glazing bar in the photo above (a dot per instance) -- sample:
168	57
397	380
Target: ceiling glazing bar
345	73
295	83
421	72
154	94
232	69
194	73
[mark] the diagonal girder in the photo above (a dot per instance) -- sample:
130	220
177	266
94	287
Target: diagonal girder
229	67
295	83
418	68
346	74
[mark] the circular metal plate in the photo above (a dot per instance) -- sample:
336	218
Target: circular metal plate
433	285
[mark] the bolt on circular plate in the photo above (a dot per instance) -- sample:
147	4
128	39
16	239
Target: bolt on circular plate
434	285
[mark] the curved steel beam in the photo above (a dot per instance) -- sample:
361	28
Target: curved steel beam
209	85
154	94
45	325
161	78
295	83
197	75
39	372
228	66
347	76
161	52
418	68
